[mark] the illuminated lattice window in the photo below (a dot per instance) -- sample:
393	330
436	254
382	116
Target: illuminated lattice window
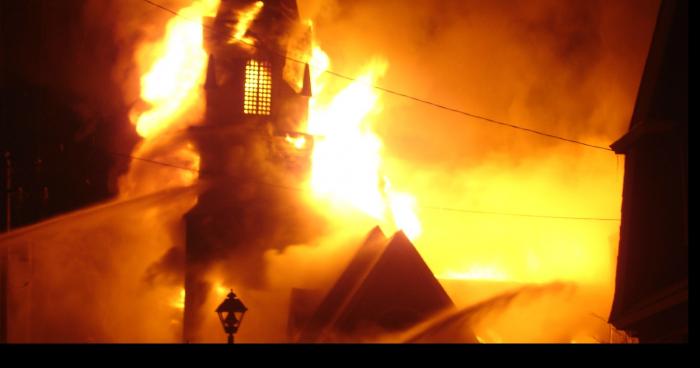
258	88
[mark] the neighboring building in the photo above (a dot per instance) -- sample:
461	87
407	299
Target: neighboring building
651	296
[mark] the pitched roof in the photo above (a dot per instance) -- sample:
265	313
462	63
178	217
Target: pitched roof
386	285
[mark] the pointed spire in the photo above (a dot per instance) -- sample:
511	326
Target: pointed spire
306	88
210	82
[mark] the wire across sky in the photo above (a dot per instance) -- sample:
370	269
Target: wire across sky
401	94
405	96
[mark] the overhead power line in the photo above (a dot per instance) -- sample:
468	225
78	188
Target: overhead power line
401	94
517	214
124	155
439	208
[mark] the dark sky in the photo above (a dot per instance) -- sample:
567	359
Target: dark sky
58	100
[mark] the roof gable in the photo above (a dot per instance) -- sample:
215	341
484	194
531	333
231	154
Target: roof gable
387	286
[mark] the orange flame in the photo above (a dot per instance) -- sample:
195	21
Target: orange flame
179	302
478	273
297	142
245	18
347	165
171	85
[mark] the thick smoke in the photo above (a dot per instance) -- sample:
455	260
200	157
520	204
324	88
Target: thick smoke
568	68
501	319
88	276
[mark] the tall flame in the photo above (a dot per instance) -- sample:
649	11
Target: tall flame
347	165
245	18
171	85
171	89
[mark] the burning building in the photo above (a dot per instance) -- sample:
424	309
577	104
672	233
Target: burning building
220	93
249	145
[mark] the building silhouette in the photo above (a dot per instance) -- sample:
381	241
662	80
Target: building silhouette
651	296
247	147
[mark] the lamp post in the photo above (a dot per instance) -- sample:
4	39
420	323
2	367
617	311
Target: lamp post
231	312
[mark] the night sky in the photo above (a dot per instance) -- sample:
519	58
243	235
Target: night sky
61	109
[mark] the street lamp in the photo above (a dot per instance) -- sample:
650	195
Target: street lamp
231	312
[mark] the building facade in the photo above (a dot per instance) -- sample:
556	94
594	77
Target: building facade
651	296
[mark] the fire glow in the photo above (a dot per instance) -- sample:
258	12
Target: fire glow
297	142
173	72
245	18
349	166
393	125
171	86
347	163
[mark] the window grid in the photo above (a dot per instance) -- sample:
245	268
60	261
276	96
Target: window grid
258	88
